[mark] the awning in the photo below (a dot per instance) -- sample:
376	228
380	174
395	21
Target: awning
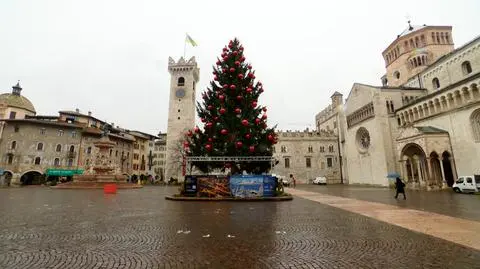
63	172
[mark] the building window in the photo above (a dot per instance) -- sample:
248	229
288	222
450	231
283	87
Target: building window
334	124
16	129
116	153
330	148
70	162
72	148
58	148
12	115
283	149
181	81
475	122
60	132
329	162
13	145
322	149
310	149
396	75
363	139
10	159
56	162
308	162
287	163
435	83
37	161
74	134
466	68
42	131
40	146
111	152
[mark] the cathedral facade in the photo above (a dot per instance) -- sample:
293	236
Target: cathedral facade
423	122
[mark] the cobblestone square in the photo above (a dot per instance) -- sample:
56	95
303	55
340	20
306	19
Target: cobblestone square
46	228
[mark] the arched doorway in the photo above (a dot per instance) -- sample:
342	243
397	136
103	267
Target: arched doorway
32	178
413	163
435	166
447	168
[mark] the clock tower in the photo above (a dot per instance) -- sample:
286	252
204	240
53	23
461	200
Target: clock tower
181	112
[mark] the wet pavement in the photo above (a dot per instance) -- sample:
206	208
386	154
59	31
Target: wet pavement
444	202
45	228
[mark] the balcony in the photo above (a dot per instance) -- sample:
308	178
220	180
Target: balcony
71	154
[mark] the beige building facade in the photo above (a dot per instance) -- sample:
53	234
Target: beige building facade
424	123
307	155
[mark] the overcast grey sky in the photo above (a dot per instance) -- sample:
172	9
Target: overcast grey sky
110	56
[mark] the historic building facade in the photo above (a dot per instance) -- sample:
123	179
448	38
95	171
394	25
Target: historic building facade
307	155
159	156
424	122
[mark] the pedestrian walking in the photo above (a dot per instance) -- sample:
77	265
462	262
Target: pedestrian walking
400	186
294	181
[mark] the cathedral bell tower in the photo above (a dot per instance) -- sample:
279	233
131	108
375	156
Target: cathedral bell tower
181	112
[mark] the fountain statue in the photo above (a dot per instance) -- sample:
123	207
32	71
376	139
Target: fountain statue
102	170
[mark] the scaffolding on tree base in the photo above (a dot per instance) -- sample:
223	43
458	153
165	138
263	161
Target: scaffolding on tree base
236	159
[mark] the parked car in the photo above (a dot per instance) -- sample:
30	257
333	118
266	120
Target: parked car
467	184
320	181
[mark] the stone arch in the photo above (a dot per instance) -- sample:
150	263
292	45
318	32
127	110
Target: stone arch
458	98
7	175
475	123
450	100
416	115
32	177
420	111
413	163
435	168
425	109
443	102
438	107
181	81
466	94
475	91
448	168
431	106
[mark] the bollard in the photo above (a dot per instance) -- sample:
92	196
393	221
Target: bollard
110	188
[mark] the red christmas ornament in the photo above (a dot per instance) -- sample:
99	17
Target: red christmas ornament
224	131
237	63
249	67
260	83
208	147
225	86
209	107
264	109
239	97
202	120
249	90
223	54
241	48
257	120
224	70
209	125
238	110
218	63
225	49
233	87
215	78
239	144
248	136
245	122
221	97
240	76
254	104
197	130
232	70
210	139
251	149
215	118
270	137
261	90
189	133
242	59
235	53
225	58
222	110
230	45
264	116
264	125
251	75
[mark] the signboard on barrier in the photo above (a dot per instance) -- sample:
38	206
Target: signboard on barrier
213	186
191	186
246	186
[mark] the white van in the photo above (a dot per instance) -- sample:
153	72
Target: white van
467	184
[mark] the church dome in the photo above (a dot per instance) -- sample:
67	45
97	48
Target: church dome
15	99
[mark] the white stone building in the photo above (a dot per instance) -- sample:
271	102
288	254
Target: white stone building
424	122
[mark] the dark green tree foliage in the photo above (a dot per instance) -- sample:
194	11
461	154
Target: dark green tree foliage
234	123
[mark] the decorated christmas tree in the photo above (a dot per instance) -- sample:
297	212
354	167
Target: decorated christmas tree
235	124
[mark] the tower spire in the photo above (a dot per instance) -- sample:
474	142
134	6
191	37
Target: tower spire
16	89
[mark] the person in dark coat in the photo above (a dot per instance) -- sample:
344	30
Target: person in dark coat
400	186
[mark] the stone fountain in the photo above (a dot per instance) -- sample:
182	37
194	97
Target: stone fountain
102	171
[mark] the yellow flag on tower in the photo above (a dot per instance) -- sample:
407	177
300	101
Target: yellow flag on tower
191	41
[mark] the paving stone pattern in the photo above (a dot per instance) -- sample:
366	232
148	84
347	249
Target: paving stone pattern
44	228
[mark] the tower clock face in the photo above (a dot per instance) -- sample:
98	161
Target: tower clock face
180	93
